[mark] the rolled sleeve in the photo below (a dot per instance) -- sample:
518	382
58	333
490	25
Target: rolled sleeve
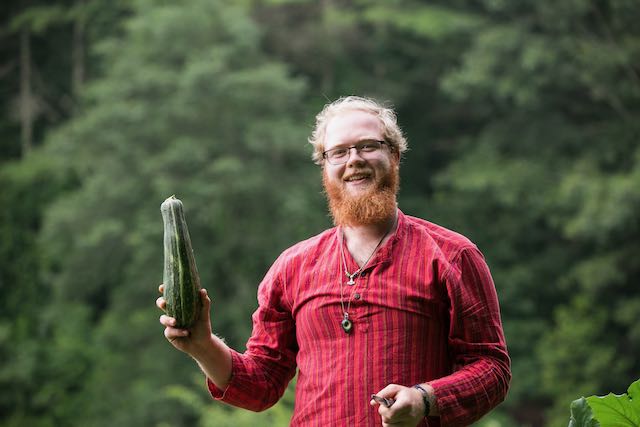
481	364
260	375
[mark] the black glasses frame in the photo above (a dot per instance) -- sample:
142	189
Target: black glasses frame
381	142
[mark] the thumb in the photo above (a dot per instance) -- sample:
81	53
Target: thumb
389	391
206	305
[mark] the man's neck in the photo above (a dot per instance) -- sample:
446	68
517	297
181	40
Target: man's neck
363	239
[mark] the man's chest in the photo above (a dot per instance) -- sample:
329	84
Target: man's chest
384	297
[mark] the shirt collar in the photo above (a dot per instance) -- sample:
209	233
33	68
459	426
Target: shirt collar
385	252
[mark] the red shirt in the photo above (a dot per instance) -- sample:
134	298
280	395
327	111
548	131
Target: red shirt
424	310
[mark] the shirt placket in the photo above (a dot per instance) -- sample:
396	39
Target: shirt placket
360	376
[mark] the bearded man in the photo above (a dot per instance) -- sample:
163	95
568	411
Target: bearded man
389	319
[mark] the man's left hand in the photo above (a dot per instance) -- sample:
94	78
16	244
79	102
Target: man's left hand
408	409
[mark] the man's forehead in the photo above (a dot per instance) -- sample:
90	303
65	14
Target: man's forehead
352	126
355	117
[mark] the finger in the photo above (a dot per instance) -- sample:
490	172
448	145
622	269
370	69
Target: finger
384	412
173	333
205	296
161	288
167	321
389	391
206	304
396	419
161	303
385	401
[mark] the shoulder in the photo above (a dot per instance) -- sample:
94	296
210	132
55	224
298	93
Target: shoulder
450	243
299	257
458	259
307	249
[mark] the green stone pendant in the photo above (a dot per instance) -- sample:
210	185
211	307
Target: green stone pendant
346	325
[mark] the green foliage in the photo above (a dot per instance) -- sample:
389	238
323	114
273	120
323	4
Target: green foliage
188	105
226	416
432	22
581	414
608	411
618	410
26	190
566	369
521	118
547	175
38	18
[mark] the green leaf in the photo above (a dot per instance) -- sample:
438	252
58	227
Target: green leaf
38	18
618	410
428	21
581	414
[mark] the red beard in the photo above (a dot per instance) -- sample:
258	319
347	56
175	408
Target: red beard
374	206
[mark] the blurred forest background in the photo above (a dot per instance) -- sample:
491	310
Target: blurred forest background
523	119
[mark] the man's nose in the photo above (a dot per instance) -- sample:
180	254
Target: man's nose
354	156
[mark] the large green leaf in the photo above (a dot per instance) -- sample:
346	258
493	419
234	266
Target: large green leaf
581	414
618	410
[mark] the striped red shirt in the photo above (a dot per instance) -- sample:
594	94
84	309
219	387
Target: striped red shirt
425	309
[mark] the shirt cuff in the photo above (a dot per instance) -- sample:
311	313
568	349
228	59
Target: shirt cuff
445	399
215	391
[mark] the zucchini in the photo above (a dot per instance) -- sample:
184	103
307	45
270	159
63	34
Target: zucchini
181	279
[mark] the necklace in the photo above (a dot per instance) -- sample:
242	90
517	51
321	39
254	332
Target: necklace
346	323
351	276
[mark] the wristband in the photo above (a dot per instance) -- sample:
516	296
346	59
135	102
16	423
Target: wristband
425	399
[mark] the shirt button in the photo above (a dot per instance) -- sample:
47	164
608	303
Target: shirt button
356	296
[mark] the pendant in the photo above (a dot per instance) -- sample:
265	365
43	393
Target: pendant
346	324
351	282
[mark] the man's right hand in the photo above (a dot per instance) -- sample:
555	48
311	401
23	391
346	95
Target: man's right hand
197	337
210	352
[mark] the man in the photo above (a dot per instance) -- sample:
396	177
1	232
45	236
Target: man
383	303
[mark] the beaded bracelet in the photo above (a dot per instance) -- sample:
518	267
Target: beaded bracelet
425	399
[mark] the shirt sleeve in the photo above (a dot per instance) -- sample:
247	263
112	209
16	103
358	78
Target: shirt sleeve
481	364
260	375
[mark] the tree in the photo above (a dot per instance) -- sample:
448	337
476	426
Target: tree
547	178
44	63
520	118
27	189
188	105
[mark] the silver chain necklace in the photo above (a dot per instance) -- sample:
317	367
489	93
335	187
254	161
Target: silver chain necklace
345	323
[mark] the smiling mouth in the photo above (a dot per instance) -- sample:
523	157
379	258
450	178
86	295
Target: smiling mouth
358	177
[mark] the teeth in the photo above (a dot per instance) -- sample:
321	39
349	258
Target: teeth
356	177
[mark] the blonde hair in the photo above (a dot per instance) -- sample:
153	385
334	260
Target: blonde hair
391	131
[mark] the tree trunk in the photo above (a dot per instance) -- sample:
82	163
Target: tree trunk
26	95
78	71
328	72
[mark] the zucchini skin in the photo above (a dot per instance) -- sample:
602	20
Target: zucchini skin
181	279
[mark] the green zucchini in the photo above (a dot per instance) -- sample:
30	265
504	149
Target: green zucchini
181	279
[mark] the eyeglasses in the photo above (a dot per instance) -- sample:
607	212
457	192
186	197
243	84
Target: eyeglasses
366	149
